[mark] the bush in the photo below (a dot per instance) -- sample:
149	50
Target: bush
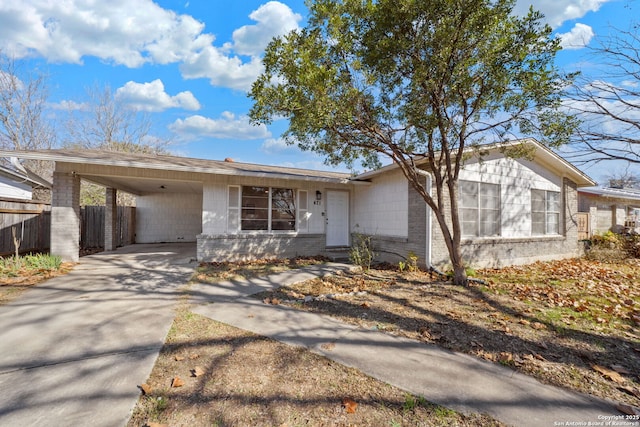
28	264
361	252
611	247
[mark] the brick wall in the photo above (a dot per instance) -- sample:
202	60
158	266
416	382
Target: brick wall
65	217
241	247
497	252
394	249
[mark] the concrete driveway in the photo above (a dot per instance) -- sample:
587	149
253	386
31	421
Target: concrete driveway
74	349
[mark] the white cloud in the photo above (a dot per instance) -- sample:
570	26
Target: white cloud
152	97
127	32
68	105
136	32
279	145
579	37
273	19
228	126
221	70
556	12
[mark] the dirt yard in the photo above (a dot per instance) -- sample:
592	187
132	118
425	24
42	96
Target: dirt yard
229	377
570	323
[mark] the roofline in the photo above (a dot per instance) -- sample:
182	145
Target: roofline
58	157
494	146
35	179
618	193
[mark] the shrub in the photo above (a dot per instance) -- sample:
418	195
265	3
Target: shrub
612	247
361	252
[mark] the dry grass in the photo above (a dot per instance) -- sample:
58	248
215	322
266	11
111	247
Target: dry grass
248	380
554	321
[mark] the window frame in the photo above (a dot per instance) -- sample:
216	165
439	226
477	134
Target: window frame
237	208
547	213
478	212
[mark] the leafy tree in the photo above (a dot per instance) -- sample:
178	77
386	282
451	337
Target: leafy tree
418	82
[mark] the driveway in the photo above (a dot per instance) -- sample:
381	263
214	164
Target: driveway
74	349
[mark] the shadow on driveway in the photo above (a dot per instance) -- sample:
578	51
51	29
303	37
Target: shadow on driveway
74	348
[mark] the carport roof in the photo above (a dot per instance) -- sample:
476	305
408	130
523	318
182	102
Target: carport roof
174	163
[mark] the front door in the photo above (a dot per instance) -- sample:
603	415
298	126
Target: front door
337	217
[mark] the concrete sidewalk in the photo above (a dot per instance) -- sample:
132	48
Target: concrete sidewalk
74	349
454	380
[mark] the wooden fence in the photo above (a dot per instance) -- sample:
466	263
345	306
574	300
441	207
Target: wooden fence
31	222
92	226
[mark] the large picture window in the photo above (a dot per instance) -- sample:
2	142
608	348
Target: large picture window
479	209
262	208
545	212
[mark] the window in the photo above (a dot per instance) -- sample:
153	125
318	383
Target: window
545	212
480	209
261	209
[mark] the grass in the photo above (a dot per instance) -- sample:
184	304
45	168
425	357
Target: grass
252	380
553	320
17	274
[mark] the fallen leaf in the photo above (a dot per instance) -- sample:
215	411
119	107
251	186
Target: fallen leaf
156	425
524	322
626	409
608	373
179	358
177	382
505	357
365	305
194	356
538	326
328	346
146	389
350	405
539	357
197	371
631	390
620	369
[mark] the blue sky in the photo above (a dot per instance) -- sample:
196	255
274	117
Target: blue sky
189	63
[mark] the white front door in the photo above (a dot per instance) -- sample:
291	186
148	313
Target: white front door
337	217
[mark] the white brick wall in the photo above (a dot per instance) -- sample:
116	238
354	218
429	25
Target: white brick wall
215	201
381	209
170	217
516	178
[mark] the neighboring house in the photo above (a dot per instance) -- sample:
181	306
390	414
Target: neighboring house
18	185
615	209
513	210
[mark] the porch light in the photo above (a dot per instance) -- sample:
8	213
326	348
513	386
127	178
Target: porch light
318	195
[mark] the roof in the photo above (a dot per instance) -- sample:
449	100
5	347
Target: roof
34	181
175	163
618	193
542	155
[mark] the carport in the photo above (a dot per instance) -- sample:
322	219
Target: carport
168	196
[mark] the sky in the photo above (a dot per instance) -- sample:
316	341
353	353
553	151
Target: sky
189	63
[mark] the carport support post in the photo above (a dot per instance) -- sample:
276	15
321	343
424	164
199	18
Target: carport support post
110	220
65	216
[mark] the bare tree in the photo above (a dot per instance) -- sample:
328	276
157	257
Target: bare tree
623	178
106	123
23	98
608	105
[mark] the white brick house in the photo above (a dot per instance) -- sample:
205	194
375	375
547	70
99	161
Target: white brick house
513	210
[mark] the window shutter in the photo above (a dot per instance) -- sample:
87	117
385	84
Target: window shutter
303	211
233	209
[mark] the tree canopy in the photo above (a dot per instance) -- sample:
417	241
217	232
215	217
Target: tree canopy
408	79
